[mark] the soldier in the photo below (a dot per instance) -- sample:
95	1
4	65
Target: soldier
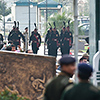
26	39
48	37
10	34
36	40
56	86
16	35
70	36
54	42
84	90
1	41
64	41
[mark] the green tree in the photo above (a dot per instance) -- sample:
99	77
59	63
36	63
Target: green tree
4	11
86	8
58	19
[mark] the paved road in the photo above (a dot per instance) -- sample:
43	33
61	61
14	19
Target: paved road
41	52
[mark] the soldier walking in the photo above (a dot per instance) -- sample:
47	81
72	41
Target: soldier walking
15	36
26	39
48	37
36	40
54	42
64	41
11	32
84	90
56	86
1	41
70	39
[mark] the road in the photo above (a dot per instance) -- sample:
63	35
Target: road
41	52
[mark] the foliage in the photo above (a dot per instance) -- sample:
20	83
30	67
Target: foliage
6	95
4	11
58	19
80	31
86	8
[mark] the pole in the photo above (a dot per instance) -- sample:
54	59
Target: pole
29	19
76	33
93	29
46	15
76	28
4	27
4	19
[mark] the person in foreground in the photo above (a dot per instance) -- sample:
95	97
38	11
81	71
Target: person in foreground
56	86
84	90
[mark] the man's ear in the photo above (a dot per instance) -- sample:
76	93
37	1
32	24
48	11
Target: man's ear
91	75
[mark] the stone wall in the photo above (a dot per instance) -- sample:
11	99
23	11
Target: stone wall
26	74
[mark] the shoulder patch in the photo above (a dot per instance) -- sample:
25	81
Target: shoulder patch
64	81
69	87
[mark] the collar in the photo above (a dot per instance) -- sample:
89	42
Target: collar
63	73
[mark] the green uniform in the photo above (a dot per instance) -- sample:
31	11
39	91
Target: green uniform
81	91
56	86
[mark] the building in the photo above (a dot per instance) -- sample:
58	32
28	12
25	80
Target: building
20	12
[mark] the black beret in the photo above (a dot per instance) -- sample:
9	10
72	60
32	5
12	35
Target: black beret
65	60
26	28
84	68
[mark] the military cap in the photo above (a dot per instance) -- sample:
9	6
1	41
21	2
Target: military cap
66	59
26	28
85	69
85	55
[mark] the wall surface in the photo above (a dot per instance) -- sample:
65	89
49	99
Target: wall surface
26	74
21	14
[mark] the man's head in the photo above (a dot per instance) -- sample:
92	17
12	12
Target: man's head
85	56
83	60
67	64
17	28
26	29
68	28
84	71
50	29
35	30
13	27
54	29
64	28
13	47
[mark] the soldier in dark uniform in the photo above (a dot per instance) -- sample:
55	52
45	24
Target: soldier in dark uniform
84	90
64	41
48	37
54	42
36	40
56	86
70	39
10	34
1	41
15	36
